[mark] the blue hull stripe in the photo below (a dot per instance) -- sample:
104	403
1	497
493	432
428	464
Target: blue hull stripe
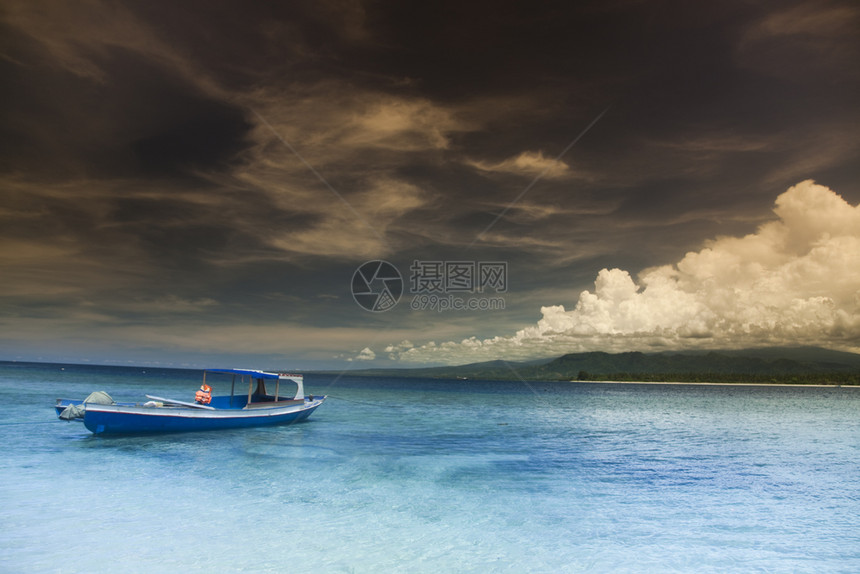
111	419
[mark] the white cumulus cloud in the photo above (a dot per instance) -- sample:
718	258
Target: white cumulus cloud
366	354
795	281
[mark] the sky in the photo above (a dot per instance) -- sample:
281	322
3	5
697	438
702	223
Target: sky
210	183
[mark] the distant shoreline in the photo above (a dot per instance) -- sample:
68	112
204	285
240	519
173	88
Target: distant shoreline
831	385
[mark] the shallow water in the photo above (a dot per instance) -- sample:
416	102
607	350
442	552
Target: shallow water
437	476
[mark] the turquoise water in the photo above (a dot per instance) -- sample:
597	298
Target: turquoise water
437	476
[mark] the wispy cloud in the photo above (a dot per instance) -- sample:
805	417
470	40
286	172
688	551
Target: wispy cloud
810	41
528	164
357	149
400	124
813	21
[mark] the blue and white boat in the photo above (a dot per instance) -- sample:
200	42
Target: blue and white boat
256	407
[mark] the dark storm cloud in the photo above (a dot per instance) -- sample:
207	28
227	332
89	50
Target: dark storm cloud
142	121
203	164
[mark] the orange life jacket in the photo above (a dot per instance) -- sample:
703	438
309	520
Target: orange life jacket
204	395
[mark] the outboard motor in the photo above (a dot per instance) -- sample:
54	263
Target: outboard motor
73	412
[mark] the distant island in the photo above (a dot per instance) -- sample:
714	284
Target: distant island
797	365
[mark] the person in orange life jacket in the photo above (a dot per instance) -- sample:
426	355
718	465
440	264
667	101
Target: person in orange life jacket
204	395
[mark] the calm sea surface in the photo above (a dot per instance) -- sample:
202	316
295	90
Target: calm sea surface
394	475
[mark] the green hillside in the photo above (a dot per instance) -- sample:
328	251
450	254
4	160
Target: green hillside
805	365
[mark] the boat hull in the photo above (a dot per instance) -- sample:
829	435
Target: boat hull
123	419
